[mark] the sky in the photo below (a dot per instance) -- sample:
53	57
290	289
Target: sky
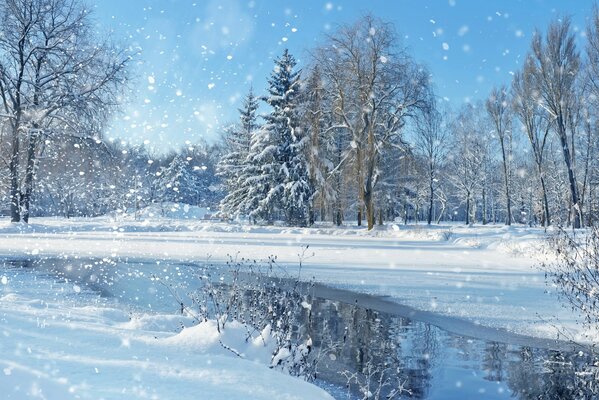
197	59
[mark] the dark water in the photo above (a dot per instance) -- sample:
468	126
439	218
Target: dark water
361	343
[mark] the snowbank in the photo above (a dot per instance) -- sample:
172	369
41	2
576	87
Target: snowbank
52	347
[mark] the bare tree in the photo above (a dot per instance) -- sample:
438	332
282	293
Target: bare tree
376	86
431	142
535	122
468	158
498	109
591	104
592	50
555	64
54	78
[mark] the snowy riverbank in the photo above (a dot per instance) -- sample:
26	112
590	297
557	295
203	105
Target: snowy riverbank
83	346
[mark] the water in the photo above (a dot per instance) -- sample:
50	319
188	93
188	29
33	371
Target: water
432	363
364	343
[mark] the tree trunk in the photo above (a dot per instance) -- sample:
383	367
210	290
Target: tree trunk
484	216
368	186
547	216
15	201
338	218
508	219
468	210
370	213
429	218
369	202
440	215
29	173
360	181
575	206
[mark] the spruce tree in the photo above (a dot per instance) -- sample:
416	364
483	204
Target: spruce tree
235	168
290	189
175	180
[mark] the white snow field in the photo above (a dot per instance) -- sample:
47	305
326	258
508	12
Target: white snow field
59	341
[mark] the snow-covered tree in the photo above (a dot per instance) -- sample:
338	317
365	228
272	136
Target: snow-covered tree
555	65
277	164
174	179
55	77
233	167
431	143
536	124
260	176
467	162
283	122
376	87
499	111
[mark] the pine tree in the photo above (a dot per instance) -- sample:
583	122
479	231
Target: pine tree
233	168
175	180
279	149
260	176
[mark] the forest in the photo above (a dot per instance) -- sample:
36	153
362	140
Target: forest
355	134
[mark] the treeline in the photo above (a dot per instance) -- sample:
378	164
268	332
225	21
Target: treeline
358	134
86	177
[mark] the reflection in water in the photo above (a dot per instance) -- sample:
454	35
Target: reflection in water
433	364
378	351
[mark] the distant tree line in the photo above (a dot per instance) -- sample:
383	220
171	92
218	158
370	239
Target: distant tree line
85	177
358	134
377	144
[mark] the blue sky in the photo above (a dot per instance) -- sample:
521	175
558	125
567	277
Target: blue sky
198	58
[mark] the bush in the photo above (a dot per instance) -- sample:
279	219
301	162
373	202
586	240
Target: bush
269	302
575	272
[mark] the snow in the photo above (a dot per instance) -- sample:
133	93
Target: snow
171	210
56	334
54	348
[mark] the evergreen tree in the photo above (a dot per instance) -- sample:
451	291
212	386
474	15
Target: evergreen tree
233	167
260	176
175	180
279	150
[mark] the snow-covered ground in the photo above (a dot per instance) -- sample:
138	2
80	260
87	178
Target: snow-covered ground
61	341
78	345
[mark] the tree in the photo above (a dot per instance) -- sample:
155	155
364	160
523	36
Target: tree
468	159
554	65
376	86
175	179
259	175
536	124
592	51
314	116
498	109
591	102
294	185
55	77
278	151
431	142
233	165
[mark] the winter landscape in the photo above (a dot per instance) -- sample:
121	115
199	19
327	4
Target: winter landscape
233	199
